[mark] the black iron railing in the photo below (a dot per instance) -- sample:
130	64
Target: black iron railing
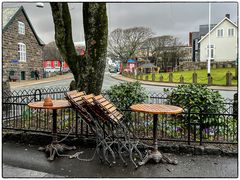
209	128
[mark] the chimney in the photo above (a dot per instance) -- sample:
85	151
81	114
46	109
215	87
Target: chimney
190	38
228	16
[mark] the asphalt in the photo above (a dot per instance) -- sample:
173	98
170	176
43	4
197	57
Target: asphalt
22	160
113	75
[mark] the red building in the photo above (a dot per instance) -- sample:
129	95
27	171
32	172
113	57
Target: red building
54	65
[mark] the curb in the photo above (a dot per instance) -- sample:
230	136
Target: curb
44	80
127	79
166	147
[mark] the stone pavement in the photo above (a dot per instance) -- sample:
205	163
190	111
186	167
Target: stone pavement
43	80
13	172
123	78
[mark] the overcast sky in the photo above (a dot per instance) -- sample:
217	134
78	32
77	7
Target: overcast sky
177	19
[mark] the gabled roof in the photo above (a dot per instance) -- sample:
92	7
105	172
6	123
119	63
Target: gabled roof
216	27
147	65
8	16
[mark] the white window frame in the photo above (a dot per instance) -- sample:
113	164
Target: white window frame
212	46
232	32
22	52
48	63
222	34
21	28
56	64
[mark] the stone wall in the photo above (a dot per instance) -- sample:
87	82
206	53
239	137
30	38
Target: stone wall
10	41
186	66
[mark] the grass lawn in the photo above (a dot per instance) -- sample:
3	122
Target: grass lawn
218	76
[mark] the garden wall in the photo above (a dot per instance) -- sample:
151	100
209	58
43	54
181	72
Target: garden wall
186	66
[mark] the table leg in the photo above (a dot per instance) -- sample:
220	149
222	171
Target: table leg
156	155
54	125
54	148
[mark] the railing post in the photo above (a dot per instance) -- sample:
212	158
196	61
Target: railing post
235	106
181	79
228	78
194	78
153	76
170	77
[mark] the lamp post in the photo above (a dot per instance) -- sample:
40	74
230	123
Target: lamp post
209	42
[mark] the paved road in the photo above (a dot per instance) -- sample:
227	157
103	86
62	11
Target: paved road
109	81
28	157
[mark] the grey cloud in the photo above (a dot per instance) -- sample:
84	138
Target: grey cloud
177	19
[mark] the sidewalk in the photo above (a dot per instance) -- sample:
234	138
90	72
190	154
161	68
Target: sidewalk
28	157
123	78
13	172
40	81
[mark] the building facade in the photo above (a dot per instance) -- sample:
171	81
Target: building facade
22	49
223	42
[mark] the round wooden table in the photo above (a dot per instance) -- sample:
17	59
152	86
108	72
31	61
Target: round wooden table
54	146
156	109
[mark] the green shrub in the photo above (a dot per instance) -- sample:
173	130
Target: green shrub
125	94
200	98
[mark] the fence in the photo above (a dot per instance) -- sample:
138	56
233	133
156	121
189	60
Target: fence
227	80
209	128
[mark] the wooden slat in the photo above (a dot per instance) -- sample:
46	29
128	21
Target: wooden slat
108	106
111	109
82	93
98	97
88	96
105	103
77	99
71	92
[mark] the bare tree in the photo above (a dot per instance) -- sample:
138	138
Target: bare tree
124	43
88	70
165	51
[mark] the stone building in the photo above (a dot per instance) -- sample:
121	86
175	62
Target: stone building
22	49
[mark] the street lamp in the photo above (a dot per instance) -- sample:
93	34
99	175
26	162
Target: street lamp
209	42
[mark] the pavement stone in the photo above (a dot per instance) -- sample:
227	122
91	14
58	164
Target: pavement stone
11	171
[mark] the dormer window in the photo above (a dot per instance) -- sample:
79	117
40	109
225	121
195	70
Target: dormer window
220	33
21	27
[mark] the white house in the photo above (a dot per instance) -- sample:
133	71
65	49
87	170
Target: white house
223	42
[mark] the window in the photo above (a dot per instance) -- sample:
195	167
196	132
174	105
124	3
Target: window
22	52
230	32
21	27
48	63
211	51
220	33
56	64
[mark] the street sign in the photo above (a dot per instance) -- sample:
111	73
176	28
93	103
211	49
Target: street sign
14	61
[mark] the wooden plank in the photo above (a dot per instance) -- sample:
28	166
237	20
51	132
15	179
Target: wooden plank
105	103
82	93
88	96
108	106
98	97
77	99
112	109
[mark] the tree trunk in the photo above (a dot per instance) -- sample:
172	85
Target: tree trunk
88	70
